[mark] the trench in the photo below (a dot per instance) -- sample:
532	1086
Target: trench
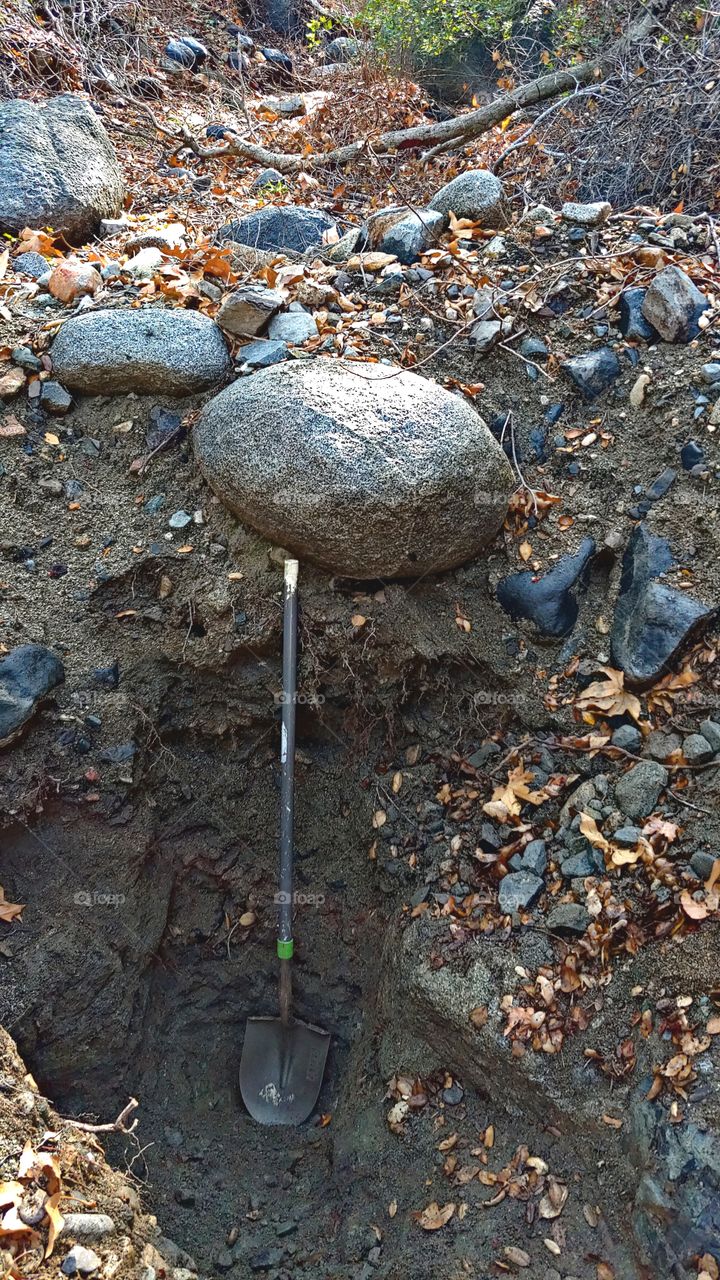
135	977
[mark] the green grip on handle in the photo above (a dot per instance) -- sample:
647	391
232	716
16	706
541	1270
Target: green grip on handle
285	950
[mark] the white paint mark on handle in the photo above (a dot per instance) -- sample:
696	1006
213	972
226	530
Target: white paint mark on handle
283	744
291	574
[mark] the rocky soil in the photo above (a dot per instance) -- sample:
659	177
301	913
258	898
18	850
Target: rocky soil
508	838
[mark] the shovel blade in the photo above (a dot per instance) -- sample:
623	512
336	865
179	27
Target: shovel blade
281	1069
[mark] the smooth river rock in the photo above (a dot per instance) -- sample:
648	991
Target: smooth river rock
363	469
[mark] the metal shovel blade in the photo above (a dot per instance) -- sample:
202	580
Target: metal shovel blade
281	1069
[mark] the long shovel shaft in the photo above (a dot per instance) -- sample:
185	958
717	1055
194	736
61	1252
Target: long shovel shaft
287	791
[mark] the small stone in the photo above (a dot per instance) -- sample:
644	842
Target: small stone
224	1260
476	194
179	519
586	215
264	352
534	857
538	213
268	178
266	1259
710	730
72	279
11	383
30	264
55	399
627	837
533	349
593	372
27	360
274	227
568	917
587	862
547	601
80	1261
691	455
246	311
660	746
637	792
711	373
144	264
27	674
633	324
701	865
696	749
484	334
519	890
453	1095
673	305
627	737
293	327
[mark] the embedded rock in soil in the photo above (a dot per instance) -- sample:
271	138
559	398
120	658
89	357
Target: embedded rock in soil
31	264
187	52
402	233
673	305
676	1212
519	890
27	674
638	790
633	324
152	351
653	622
475	194
293	327
593	372
341	49
263	352
58	168
279	227
586	215
247	310
548	601
363	469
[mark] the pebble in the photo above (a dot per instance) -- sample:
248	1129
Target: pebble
266	1259
55	399
224	1260
701	865
263	352
30	264
27	674
179	519
697	749
454	1094
691	455
568	917
627	836
185	1196
80	1261
519	890
627	737
637	791
27	360
710	730
88	1226
534	857
593	372
632	323
547	601
660	745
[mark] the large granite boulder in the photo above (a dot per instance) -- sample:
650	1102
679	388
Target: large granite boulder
58	168
152	351
276	227
364	469
475	194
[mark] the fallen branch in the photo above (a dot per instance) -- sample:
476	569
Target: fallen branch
457	131
115	1126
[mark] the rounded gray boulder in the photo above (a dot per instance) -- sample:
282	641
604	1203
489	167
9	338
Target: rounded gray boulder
363	469
58	168
150	351
475	194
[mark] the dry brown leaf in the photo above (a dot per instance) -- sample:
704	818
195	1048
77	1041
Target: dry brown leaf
693	910
478	1016
434	1216
57	1222
553	1202
610	696
518	1257
9	911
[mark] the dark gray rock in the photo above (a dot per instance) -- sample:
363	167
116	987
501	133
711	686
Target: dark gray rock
673	305
627	837
152	351
364	470
568	917
264	352
627	737
55	399
268	178
593	372
534	857
406	234
246	311
547	601
186	52
341	49
292	227
701	864
710	730
30	264
633	324
637	791
58	167
692	455
696	749
27	675
484	334
586	862
475	194
519	890
652	622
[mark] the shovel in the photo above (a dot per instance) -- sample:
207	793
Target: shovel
283	1059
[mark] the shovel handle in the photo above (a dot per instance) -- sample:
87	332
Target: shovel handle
287	763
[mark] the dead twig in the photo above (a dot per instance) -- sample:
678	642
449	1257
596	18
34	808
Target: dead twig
118	1125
